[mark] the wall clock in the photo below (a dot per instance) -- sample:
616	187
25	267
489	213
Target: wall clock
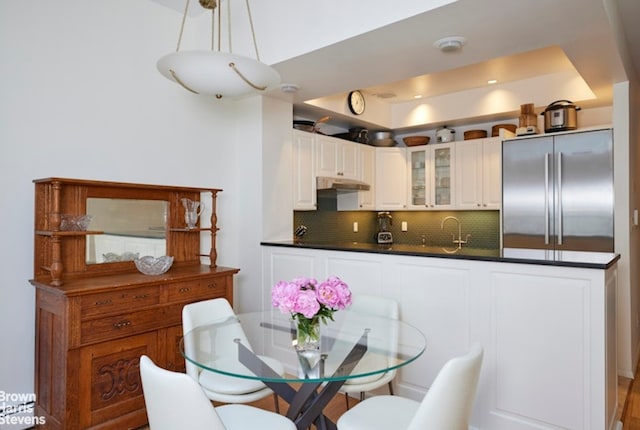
356	102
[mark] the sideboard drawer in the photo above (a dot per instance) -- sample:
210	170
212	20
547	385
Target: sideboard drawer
122	325
104	303
200	290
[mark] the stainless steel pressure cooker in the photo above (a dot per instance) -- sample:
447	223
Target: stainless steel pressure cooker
560	115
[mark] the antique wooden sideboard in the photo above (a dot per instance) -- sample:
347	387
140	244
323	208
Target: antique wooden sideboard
96	314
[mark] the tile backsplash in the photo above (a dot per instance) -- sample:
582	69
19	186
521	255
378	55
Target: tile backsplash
326	224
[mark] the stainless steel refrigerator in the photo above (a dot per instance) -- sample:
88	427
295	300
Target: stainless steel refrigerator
557	192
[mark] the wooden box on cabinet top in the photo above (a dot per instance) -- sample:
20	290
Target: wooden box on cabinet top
90	334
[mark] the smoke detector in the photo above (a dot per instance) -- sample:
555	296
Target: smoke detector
289	88
450	44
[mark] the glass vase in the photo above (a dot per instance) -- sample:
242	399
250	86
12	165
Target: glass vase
308	347
308	334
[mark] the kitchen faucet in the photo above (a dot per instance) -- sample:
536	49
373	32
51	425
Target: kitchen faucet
459	240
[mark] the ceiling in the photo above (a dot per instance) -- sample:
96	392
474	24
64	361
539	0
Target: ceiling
597	39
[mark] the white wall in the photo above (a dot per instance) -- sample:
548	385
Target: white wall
81	98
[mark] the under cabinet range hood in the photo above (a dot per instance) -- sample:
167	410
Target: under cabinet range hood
340	184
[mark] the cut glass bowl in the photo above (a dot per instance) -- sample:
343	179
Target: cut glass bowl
153	266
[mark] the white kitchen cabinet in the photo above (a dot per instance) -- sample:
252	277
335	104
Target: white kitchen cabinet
304	172
431	176
391	179
419	168
337	157
469	174
362	200
478	173
492	173
548	332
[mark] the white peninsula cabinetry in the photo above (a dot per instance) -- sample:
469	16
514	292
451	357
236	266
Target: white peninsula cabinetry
548	331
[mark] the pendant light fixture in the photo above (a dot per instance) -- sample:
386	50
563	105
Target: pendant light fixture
214	72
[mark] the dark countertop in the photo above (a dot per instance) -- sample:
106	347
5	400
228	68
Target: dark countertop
590	260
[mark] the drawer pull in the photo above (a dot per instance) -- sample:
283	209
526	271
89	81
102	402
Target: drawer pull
103	302
185	289
213	285
121	324
141	296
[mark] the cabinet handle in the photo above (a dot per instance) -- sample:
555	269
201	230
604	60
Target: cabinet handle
121	324
103	302
184	289
212	285
141	296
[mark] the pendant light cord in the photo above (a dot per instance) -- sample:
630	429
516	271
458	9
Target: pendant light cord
184	18
253	33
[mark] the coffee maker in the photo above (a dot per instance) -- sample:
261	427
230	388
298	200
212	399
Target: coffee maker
384	235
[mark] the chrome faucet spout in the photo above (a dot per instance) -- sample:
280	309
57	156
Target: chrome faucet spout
459	241
447	218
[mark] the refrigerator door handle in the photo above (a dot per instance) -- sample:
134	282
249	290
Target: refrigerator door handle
546	198
559	198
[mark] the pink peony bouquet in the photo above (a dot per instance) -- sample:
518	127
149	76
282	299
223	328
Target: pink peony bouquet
310	302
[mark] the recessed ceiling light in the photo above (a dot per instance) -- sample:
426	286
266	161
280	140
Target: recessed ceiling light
492	81
450	44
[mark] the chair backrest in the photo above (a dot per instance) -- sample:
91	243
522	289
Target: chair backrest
375	305
449	401
200	313
175	401
379	307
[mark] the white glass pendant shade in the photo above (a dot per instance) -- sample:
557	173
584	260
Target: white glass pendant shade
219	74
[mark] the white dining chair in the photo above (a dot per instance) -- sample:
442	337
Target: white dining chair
447	404
380	307
219	387
175	401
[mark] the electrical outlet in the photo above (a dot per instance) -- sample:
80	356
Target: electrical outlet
355	226
404	226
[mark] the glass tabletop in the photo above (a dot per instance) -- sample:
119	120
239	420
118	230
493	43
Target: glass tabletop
354	345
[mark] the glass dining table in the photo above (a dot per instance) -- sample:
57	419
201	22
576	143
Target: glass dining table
352	346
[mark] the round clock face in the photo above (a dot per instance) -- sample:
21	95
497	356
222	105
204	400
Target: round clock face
356	102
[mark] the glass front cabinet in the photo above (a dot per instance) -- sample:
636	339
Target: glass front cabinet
431	176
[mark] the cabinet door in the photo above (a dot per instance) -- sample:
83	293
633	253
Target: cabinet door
368	175
469	174
327	150
304	175
110	380
492	173
442	176
349	159
337	157
391	178
419	178
362	200
174	359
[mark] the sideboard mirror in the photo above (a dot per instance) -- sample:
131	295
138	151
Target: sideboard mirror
131	228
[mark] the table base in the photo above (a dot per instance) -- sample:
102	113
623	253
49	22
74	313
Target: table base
306	405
